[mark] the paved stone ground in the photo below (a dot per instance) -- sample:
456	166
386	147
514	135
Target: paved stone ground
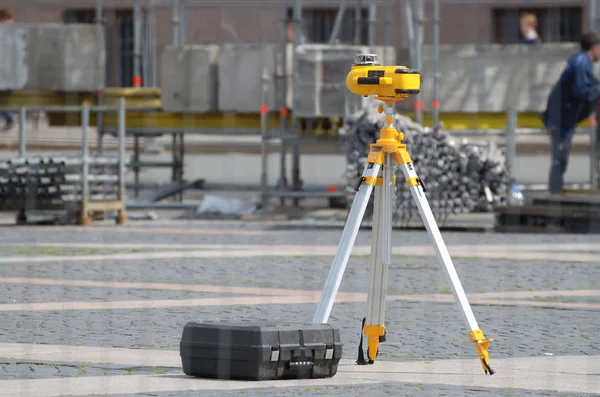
407	389
135	286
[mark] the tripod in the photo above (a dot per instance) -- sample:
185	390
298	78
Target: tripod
384	155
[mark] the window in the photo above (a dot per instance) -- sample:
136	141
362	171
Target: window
558	24
318	24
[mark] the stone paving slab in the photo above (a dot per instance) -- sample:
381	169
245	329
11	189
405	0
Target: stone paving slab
407	275
562	374
199	232
377	389
24	370
63	251
416	331
537	296
28	293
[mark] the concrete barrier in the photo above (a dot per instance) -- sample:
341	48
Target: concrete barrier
55	57
189	78
13	65
65	57
490	78
320	81
319	84
240	76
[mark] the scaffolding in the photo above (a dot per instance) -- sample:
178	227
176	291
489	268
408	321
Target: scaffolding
285	128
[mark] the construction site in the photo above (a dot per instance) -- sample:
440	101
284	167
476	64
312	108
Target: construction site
185	184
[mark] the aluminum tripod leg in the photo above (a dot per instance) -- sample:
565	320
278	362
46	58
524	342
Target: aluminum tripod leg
475	334
381	256
338	266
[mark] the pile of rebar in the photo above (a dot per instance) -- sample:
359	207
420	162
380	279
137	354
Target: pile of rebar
54	182
459	178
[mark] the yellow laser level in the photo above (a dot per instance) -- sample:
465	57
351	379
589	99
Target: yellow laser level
389	83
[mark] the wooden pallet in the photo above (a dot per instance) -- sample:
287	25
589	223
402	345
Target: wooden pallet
553	217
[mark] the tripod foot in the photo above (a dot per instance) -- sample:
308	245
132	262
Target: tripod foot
481	345
374	334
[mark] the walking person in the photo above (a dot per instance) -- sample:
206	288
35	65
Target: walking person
9	120
571	101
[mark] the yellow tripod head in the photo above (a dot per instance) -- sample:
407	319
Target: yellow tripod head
388	83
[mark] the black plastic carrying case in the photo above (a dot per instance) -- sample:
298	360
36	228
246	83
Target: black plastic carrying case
260	351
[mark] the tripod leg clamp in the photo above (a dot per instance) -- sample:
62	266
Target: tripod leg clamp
374	333
481	345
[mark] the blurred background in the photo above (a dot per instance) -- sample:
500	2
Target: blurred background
247	98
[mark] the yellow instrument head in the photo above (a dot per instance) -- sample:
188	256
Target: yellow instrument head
389	83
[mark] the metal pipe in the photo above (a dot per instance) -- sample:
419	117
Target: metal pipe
264	143
338	22
387	24
136	161
436	64
410	30
22	132
295	144
372	22
594	157
100	116
121	143
357	22
85	121
284	84
419	22
175	22
511	143
152	41
297	21
146	81
77	109
137	43
181	22
593	15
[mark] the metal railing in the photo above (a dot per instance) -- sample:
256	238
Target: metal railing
86	203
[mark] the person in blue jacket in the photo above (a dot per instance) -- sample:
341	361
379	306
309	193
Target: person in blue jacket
571	101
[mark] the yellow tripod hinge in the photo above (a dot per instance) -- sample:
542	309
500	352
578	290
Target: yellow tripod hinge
481	345
373	334
390	141
371	180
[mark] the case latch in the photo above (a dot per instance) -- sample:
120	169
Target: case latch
274	353
328	352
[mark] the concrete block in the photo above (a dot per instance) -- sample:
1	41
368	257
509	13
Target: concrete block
240	76
387	55
490	78
189	78
13	65
65	57
320	81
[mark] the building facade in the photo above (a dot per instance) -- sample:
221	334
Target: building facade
261	21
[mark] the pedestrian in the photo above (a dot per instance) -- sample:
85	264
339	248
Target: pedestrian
9	120
290	33
571	101
528	26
